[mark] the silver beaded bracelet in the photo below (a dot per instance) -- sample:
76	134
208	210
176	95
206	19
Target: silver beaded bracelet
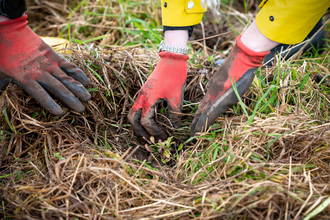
163	47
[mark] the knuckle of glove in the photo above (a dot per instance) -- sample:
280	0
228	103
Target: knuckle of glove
76	73
134	119
130	117
147	124
153	129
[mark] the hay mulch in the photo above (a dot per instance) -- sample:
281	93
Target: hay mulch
85	165
92	166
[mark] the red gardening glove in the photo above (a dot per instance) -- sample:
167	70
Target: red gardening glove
167	82
241	67
30	63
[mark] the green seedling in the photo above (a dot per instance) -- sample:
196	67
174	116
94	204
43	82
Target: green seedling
162	149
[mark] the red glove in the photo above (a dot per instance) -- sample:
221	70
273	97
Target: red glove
30	63
241	67
167	82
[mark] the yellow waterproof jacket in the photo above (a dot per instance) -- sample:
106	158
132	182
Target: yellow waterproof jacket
182	13
289	21
283	21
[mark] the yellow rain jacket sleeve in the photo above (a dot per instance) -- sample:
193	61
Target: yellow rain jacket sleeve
182	13
289	21
283	21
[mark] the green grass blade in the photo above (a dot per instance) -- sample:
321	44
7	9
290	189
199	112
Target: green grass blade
4	112
319	209
258	103
239	97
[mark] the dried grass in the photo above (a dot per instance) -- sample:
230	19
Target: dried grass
91	166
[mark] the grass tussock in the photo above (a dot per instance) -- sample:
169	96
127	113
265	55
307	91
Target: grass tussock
266	158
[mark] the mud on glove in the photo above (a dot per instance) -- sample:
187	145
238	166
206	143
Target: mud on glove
33	65
166	83
240	67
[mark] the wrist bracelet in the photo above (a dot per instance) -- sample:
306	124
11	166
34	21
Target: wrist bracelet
163	47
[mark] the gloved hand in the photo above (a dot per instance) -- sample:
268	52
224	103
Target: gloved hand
241	67
167	82
30	63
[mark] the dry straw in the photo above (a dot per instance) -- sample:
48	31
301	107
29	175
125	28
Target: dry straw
84	166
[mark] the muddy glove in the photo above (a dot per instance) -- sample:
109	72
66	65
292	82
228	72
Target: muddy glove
30	63
241	67
167	82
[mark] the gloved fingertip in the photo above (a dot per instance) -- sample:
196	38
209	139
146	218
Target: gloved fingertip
85	97
75	87
192	132
76	73
78	107
56	111
199	124
134	116
85	81
192	126
193	129
153	129
134	119
4	83
130	116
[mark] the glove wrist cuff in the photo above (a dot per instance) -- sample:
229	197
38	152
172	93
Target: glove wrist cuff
173	56
12	21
